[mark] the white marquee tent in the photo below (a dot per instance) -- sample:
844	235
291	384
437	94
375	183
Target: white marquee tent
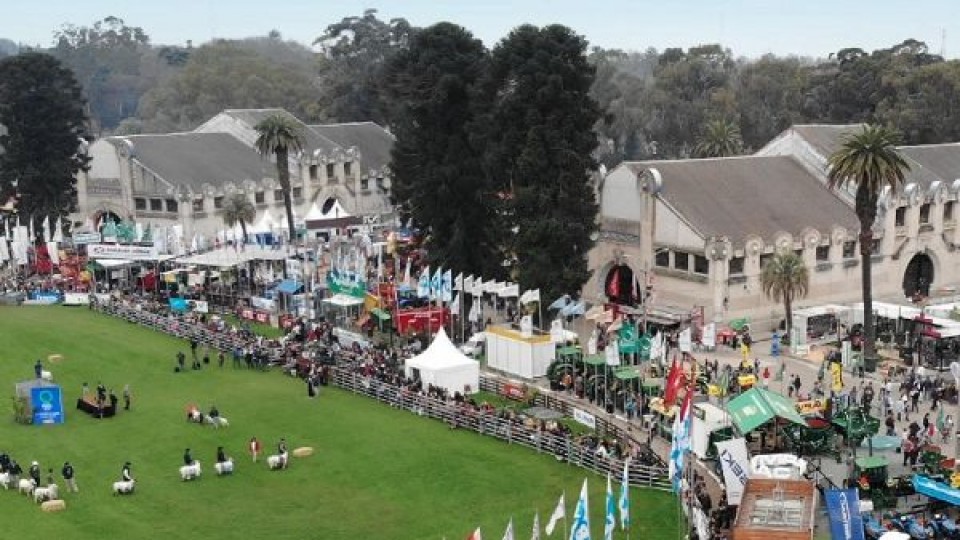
443	365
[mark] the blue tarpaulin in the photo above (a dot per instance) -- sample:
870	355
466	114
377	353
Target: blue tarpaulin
936	490
179	304
289	286
843	508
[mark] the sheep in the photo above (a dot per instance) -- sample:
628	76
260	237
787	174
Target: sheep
123	487
217	422
48	493
26	486
225	467
6	480
53	506
189	472
277	461
46	375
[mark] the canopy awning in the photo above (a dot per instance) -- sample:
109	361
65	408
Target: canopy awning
289	286
380	314
596	360
343	300
936	490
571	350
756	406
627	373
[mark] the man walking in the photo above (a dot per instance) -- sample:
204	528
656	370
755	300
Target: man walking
68	477
126	397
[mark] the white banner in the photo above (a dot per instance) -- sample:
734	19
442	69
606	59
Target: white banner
76	299
114	251
733	458
613	353
200	306
294	269
585	418
259	302
686	341
86	238
709	336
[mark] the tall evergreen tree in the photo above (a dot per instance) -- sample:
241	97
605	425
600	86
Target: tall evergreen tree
42	108
539	139
437	174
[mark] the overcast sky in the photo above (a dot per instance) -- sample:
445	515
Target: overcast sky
749	27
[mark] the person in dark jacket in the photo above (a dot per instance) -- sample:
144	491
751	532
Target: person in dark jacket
35	473
187	458
68	477
125	473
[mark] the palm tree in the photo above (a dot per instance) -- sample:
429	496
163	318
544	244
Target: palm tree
720	138
279	135
238	209
784	279
870	162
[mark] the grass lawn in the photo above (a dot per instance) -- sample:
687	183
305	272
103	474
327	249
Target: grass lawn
377	472
264	330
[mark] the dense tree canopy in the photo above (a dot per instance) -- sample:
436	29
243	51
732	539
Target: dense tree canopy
437	174
42	108
539	142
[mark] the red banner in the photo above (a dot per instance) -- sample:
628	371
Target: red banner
419	320
513	391
255	315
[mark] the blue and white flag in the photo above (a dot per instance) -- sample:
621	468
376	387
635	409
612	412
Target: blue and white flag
560	303
581	516
610	522
681	442
624	502
423	284
446	286
436	284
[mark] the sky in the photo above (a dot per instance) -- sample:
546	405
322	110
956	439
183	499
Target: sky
749	27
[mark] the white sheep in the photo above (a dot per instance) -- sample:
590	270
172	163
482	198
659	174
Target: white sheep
6	480
122	487
26	486
225	467
277	461
45	493
189	472
217	422
46	375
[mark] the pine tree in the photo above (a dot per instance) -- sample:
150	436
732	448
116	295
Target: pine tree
42	109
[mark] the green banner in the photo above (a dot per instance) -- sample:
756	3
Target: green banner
347	284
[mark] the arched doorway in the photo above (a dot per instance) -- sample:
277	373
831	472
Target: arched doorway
918	277
619	285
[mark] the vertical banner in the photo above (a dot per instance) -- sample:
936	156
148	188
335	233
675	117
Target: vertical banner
47	404
836	376
685	341
709	336
843	509
733	458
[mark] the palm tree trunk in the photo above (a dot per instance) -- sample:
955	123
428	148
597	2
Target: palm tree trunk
283	175
866	280
788	313
243	228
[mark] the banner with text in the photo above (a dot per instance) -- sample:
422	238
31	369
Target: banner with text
117	251
585	418
843	508
735	462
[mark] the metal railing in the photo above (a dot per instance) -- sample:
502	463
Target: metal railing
488	424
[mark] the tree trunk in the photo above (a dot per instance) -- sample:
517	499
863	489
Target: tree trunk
283	175
866	280
243	228
788	312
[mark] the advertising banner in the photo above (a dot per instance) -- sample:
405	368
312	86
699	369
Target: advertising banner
86	238
812	406
843	509
115	251
836	376
709	335
733	458
513	391
47	403
585	418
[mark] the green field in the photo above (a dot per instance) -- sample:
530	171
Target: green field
377	472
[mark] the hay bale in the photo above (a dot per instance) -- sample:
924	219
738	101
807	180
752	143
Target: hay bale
55	505
55	358
303	451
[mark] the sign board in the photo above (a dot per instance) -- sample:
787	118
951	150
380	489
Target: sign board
118	251
47	404
811	406
585	418
86	238
733	458
843	509
76	299
513	391
261	303
256	315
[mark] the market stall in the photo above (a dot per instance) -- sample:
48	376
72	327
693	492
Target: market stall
443	365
